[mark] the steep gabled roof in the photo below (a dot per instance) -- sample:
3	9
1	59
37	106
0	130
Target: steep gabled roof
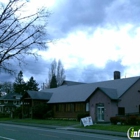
111	93
38	95
80	93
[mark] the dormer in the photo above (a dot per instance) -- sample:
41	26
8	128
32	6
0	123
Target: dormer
15	102
14	96
5	101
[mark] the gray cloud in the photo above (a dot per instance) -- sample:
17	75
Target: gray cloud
5	77
74	15
36	68
90	73
123	12
71	15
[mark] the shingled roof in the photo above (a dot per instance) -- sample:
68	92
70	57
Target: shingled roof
38	95
111	93
71	83
11	96
80	93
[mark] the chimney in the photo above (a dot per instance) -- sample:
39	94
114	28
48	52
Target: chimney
117	75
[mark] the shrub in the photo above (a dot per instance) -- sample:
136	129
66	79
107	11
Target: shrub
82	115
123	120
18	113
129	120
49	114
114	120
132	120
138	120
42	111
3	115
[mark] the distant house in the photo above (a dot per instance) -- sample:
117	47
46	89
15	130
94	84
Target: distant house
32	98
101	100
9	102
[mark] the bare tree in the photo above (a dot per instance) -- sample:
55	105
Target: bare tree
20	35
6	87
56	70
60	73
52	72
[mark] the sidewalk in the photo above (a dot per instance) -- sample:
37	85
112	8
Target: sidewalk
113	133
70	128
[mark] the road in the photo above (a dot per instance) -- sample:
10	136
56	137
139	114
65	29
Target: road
18	132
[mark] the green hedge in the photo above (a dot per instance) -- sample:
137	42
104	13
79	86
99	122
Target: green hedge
4	115
42	111
132	120
138	120
128	120
18	113
114	120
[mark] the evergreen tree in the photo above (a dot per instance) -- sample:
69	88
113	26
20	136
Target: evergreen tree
53	83
19	84
32	84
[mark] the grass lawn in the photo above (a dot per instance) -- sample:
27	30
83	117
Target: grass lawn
45	122
56	122
117	128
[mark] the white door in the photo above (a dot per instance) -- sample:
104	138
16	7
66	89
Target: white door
100	113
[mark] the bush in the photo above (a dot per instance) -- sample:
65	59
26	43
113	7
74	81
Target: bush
49	114
138	120
82	115
3	115
129	120
123	120
42	111
114	120
132	120
18	113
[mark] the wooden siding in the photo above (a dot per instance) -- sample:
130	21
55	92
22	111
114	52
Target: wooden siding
68	110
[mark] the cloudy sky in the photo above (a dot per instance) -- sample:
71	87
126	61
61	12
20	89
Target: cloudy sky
92	38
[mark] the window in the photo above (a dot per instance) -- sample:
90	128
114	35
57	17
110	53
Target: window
18	102
5	101
6	108
121	111
79	107
87	106
14	102
60	107
69	107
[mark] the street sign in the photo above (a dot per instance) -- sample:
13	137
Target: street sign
87	121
